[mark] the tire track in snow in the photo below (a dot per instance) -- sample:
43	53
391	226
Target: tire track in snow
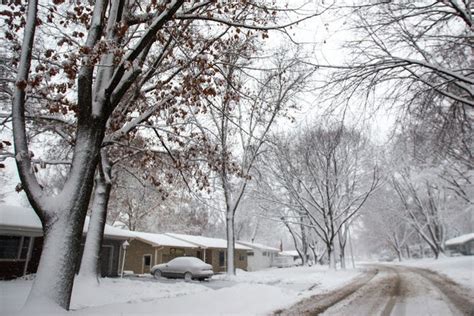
456	293
396	292
317	304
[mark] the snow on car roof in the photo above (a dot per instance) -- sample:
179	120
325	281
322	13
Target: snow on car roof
190	260
258	246
206	242
460	239
20	219
162	240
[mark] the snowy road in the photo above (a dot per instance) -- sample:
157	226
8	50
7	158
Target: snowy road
391	290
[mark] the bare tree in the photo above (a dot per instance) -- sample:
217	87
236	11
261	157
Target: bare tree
242	121
416	53
385	223
424	202
326	176
99	55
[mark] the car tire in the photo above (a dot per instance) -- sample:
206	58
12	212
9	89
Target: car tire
188	276
157	274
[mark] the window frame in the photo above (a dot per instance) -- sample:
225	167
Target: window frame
23	241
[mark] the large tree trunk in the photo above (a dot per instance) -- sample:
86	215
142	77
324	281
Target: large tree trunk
89	269
59	258
62	230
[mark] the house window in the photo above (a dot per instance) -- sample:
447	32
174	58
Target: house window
241	257
250	253
264	253
14	247
221	258
147	260
177	252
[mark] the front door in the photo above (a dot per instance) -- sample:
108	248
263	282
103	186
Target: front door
146	264
106	257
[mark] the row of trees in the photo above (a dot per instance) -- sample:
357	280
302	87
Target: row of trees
412	58
122	84
170	93
318	180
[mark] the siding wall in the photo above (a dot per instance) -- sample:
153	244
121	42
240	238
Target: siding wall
134	256
239	264
137	250
258	261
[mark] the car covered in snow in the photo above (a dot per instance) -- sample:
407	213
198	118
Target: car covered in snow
183	267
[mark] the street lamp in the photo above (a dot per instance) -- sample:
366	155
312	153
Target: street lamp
124	247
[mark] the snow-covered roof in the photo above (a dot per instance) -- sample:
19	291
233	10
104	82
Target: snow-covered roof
258	246
162	240
110	231
289	253
17	220
206	242
460	239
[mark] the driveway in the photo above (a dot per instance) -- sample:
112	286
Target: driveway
212	283
390	290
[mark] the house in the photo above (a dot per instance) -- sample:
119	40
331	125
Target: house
21	243
463	244
146	250
260	256
290	253
213	251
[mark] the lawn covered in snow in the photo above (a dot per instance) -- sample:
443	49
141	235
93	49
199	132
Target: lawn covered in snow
248	293
459	269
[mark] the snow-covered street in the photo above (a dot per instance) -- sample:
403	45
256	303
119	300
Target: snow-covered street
412	288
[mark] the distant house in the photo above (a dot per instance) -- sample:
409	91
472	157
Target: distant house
21	243
463	244
260	256
290	253
213	251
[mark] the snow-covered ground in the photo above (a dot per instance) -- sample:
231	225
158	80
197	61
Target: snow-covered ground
248	293
459	269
